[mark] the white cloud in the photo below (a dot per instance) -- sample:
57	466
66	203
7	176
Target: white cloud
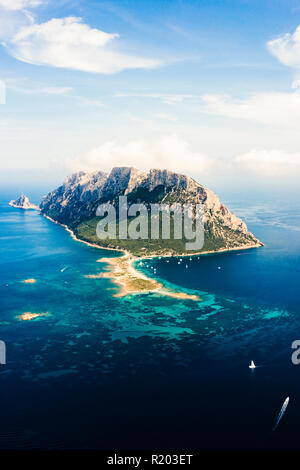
47	90
19	4
169	152
286	48
166	98
25	87
88	102
70	43
296	85
166	117
54	90
173	153
269	163
11	21
274	109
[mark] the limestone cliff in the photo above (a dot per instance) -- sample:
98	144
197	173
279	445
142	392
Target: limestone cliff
23	203
75	203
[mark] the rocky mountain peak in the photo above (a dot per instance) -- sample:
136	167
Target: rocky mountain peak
122	180
77	199
170	179
23	203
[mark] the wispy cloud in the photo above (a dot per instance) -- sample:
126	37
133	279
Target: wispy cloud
54	90
166	98
22	86
12	20
20	4
71	44
269	163
166	117
273	109
88	102
173	153
286	48
40	90
169	152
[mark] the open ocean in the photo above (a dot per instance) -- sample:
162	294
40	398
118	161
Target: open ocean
148	371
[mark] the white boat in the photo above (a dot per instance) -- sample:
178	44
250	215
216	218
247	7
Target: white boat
252	365
282	411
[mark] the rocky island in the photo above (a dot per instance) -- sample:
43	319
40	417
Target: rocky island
75	202
23	203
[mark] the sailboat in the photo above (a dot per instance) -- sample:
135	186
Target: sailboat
252	365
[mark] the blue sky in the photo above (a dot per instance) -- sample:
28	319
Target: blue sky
209	88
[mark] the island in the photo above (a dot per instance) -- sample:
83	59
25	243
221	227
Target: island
23	203
74	205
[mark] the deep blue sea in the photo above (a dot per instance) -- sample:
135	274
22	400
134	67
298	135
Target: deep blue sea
148	371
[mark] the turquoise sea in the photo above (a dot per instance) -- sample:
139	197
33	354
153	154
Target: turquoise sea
148	371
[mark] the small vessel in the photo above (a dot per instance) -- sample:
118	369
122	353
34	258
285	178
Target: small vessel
252	365
282	411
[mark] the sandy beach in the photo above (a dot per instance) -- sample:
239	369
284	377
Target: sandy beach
30	316
130	280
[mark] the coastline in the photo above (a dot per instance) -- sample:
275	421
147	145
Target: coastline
129	279
135	258
199	253
94	245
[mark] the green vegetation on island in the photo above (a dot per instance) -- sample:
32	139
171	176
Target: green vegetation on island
226	240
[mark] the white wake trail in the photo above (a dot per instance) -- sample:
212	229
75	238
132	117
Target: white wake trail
282	411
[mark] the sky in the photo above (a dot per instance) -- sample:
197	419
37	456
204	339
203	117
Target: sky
210	88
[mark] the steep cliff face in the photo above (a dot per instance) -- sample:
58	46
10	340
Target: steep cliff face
122	181
23	203
169	179
76	199
75	203
215	210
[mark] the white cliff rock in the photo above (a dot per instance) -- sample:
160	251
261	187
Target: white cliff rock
79	196
23	203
